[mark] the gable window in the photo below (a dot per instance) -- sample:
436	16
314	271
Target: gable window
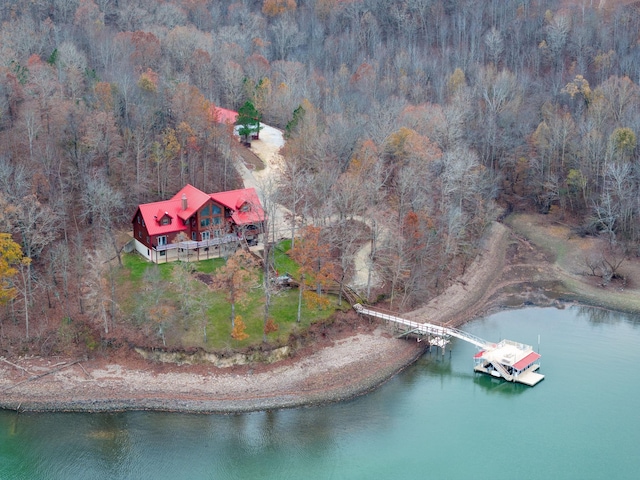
205	211
165	220
216	210
162	240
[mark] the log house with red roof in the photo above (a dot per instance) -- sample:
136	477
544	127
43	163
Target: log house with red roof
194	225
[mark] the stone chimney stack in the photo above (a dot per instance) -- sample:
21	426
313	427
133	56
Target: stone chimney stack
184	201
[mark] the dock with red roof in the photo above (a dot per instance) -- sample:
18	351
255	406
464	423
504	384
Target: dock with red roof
512	361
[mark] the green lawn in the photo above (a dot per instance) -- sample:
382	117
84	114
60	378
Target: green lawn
283	262
188	306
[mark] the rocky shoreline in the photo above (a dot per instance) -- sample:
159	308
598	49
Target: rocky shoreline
198	404
300	382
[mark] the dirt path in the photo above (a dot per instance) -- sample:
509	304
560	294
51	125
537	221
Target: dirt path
267	149
468	296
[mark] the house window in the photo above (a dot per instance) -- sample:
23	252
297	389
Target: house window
138	218
205	211
204	222
143	222
165	220
162	240
217	220
216	210
193	236
139	234
206	236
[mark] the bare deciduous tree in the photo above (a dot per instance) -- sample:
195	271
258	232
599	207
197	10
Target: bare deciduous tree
102	206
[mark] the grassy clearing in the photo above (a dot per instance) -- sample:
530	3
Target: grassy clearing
208	266
189	308
569	253
553	243
555	240
137	266
283	262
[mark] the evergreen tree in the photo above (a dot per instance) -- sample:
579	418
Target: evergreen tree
248	121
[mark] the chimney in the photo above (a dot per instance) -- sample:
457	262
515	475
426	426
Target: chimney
184	201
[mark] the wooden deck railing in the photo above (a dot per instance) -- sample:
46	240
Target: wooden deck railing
192	245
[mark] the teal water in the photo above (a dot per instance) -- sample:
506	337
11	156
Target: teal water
435	420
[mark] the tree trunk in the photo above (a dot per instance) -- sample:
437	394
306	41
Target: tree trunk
26	314
267	290
233	307
300	287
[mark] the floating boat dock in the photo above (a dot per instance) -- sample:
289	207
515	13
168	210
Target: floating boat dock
515	362
512	361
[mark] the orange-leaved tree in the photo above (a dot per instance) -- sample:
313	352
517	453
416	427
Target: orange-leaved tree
272	8
270	326
238	332
313	254
236	278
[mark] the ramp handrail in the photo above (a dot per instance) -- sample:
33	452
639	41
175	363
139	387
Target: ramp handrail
422	327
425	328
468	337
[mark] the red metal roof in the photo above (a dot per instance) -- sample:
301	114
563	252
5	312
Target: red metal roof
153	212
244	204
150	214
222	115
526	361
479	354
234	200
195	200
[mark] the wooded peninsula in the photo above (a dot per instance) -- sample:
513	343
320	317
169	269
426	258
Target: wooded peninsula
408	129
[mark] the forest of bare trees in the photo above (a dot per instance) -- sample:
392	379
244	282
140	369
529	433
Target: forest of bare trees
416	119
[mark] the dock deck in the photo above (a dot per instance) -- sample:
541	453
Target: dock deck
530	377
513	361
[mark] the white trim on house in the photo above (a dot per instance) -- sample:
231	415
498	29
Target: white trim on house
142	249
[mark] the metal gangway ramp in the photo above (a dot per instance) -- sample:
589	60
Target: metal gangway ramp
424	329
512	361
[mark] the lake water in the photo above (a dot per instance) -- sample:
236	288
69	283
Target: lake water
435	420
